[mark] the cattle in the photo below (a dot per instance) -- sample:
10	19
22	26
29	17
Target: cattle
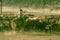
32	23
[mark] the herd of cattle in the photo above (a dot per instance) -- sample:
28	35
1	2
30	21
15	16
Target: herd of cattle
47	23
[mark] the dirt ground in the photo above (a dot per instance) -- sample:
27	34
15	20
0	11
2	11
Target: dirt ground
45	11
26	36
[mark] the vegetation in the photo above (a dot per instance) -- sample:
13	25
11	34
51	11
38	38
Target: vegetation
31	3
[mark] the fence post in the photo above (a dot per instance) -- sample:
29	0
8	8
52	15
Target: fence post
1	6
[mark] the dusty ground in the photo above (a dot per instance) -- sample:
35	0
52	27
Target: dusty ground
45	11
26	36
